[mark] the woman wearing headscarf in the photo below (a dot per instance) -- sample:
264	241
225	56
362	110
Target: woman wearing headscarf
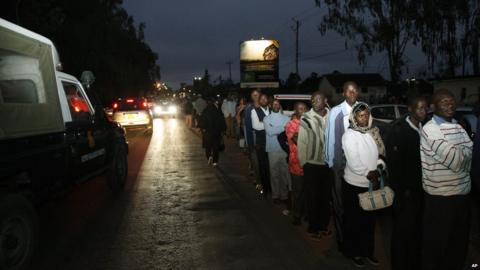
364	150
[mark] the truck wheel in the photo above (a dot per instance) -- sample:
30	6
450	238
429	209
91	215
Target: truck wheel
118	171
18	232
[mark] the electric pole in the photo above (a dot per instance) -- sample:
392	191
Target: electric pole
296	29
229	63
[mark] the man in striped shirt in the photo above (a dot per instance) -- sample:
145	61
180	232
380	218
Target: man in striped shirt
446	153
317	174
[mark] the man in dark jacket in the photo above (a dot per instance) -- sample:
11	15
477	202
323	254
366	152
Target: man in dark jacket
404	164
250	135
213	125
257	116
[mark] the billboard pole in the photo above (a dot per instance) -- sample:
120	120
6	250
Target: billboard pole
296	29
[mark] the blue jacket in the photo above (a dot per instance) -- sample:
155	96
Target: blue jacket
333	138
274	125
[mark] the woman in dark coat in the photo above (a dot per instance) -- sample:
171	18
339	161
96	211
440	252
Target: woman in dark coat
213	126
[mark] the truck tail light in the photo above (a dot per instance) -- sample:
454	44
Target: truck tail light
144	104
115	105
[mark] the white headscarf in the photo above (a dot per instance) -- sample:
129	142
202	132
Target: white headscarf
369	129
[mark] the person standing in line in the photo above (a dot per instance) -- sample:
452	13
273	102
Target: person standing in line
338	123
317	175
258	115
240	119
296	171
446	154
228	109
188	109
403	159
199	105
213	126
279	177
250	136
363	147
476	171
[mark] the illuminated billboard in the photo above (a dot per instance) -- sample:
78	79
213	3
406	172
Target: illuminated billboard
259	64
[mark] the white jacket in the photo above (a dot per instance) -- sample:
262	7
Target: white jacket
361	153
229	108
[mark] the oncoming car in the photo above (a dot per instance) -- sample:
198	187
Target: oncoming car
132	112
165	108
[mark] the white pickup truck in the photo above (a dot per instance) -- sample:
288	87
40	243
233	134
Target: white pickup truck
51	137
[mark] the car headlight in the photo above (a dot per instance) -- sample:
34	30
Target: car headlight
157	109
172	109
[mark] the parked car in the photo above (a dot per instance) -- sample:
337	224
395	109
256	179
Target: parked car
387	113
52	136
133	113
288	101
165	108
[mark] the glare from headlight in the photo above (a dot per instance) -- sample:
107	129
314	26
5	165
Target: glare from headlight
172	109
157	109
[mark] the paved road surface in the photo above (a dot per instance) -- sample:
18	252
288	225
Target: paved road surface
177	213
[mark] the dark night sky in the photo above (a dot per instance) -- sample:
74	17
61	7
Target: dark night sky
191	35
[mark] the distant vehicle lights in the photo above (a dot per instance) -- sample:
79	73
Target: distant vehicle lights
172	109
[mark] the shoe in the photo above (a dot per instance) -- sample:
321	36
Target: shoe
312	231
215	164
326	234
285	212
372	260
319	236
210	160
358	262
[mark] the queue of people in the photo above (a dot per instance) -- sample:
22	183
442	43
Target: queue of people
318	161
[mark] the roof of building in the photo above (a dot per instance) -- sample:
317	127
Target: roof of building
362	79
456	78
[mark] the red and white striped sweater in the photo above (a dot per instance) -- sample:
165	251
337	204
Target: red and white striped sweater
446	154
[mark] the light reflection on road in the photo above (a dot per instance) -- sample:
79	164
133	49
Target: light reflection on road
161	125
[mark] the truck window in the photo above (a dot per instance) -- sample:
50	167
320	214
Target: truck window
77	103
20	79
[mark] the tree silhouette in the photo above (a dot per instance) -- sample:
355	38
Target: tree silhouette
96	35
450	33
378	26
